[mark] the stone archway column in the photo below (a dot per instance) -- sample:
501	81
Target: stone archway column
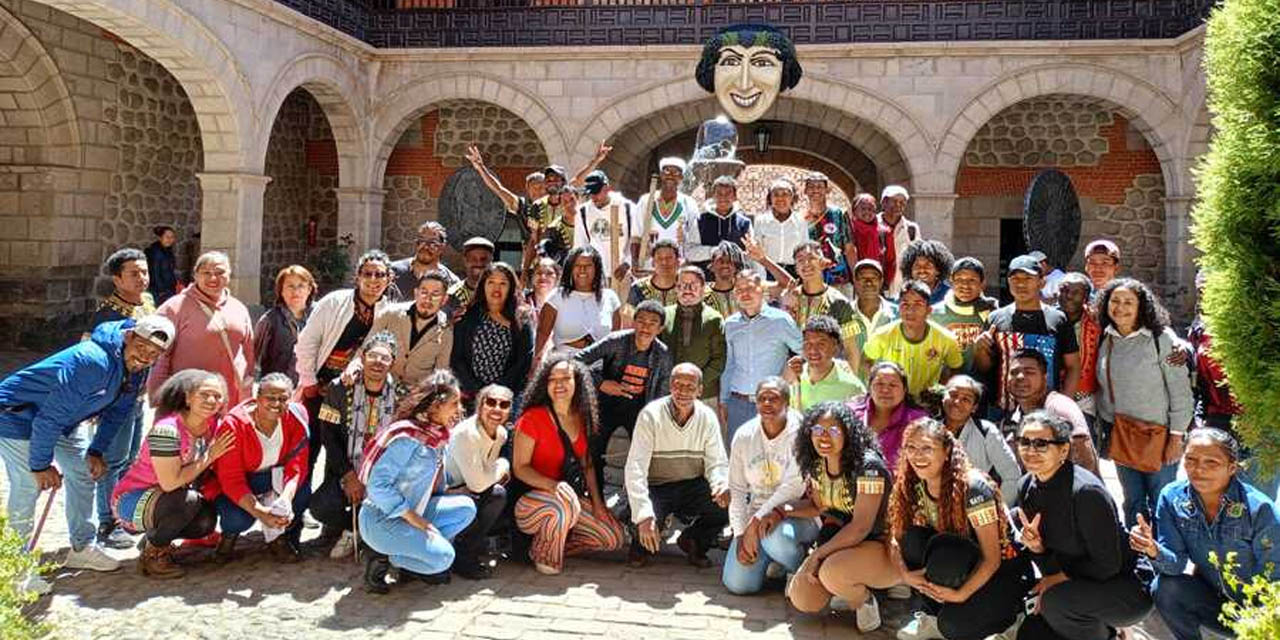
1179	255
231	221
360	216
934	212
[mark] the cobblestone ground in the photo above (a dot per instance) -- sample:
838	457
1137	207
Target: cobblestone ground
596	596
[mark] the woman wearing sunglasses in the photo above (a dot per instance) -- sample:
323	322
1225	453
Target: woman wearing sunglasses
476	468
847	486
951	540
1071	527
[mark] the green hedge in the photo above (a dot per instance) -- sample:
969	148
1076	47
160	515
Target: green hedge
14	566
1237	220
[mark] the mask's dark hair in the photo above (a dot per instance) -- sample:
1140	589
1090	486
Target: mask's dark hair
172	396
748	35
931	250
1151	314
117	260
858	439
566	274
479	306
584	392
436	388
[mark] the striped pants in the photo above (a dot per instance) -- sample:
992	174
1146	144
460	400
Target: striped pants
563	527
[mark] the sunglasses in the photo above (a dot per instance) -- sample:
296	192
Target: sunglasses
1038	444
376	275
494	403
430	243
819	430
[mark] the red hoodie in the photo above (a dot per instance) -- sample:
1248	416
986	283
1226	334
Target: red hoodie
235	466
874	241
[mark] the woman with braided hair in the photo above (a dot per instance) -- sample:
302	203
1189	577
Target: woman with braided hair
949	539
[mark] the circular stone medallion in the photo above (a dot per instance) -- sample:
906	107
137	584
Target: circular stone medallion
468	208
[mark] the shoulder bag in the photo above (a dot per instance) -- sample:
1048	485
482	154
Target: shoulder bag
1134	443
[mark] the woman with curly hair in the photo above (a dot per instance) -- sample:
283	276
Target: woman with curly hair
950	540
581	310
407	519
556	496
847	482
493	342
1142	399
928	261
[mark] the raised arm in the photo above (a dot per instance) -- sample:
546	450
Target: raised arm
581	176
509	199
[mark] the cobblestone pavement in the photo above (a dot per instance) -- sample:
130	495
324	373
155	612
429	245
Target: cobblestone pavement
596	596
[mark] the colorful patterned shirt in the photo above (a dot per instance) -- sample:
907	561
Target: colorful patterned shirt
829	302
833	233
965	321
723	302
644	289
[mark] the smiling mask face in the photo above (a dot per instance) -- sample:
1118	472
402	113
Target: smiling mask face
747	81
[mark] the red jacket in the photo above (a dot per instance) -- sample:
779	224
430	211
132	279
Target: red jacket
235	466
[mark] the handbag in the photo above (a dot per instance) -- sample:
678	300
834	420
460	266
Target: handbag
1134	443
571	471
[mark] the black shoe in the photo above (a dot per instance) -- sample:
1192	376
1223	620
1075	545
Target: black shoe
376	566
114	537
694	552
225	551
284	551
474	570
430	578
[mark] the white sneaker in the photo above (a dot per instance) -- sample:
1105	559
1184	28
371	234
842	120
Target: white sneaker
344	547
922	627
91	557
33	583
899	592
868	615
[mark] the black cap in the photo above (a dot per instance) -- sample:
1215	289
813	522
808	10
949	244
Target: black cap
1025	263
595	182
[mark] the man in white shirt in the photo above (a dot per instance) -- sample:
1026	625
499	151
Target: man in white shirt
594	225
669	216
677	464
893	209
778	229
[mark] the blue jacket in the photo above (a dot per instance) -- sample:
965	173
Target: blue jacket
1246	524
50	398
404	478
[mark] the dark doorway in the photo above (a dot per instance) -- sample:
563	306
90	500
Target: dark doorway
1012	244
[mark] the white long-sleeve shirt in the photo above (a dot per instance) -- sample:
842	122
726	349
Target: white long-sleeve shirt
760	468
474	459
663	451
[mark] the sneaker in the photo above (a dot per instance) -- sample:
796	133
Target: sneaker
344	547
114	537
869	615
899	592
33	583
775	571
836	603
546	569
91	557
922	627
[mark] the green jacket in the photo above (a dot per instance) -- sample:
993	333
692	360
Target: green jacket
701	343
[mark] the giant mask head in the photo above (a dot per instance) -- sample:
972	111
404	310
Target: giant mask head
747	66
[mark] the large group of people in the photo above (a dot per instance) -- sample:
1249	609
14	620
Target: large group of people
828	395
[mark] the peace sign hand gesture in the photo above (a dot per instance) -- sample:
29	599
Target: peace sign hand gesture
1031	532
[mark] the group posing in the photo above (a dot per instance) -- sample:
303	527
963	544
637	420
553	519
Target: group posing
827	394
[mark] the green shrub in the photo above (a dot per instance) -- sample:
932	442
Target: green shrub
1256	616
1237	219
15	564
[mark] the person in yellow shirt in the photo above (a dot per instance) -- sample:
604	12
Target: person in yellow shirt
925	350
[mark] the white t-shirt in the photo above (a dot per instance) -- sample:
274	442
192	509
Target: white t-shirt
592	227
779	239
581	313
271	446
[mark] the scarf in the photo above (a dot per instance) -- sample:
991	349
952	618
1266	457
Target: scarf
430	435
367	416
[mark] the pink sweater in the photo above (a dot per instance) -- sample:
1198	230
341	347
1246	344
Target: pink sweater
199	342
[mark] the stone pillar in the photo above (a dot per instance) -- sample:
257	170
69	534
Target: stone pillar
360	216
934	212
1179	256
231	221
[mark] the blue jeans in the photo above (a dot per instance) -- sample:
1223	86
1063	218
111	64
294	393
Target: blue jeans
76	484
1142	489
119	456
1186	603
737	411
785	545
411	548
234	521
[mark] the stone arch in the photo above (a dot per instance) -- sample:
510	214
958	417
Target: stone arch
411	100
42	104
337	89
1148	107
877	126
195	57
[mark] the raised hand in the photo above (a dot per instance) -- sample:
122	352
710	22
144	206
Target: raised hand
473	156
1031	532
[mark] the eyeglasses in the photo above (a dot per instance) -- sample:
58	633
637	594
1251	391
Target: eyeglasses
495	403
819	430
1038	444
375	275
384	358
430	243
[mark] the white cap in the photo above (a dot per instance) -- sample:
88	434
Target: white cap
672	162
894	190
157	330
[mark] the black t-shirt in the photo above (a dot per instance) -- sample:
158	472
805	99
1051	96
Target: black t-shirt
1047	331
635	376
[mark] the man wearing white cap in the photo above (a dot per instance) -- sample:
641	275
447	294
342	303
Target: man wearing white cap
43	408
778	229
662	217
893	208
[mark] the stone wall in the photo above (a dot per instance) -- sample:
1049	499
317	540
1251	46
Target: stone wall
303	179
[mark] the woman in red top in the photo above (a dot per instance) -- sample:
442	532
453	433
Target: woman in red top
269	460
563	509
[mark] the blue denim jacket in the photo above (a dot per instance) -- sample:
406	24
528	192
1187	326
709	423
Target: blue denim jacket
1246	524
400	479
